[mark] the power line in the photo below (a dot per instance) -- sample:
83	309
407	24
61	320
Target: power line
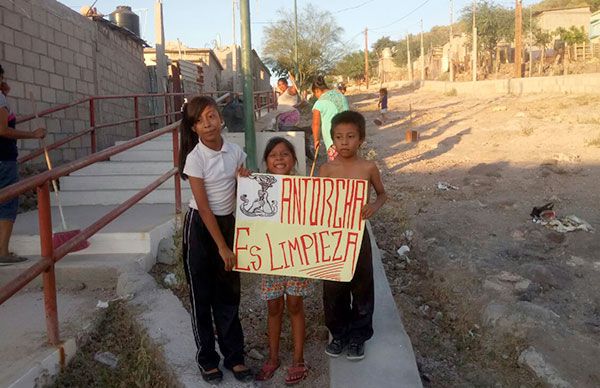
403	17
354	7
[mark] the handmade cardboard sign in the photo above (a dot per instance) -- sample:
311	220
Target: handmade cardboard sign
299	226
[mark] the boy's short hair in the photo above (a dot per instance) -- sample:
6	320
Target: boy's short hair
349	117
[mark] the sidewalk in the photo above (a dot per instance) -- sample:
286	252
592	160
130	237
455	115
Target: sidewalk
389	359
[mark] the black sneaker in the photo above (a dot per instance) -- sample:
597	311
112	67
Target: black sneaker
356	351
335	347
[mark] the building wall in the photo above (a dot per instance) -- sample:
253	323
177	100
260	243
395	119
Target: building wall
56	55
551	20
230	58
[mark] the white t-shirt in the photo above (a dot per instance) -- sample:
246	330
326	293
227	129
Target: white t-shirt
218	170
286	101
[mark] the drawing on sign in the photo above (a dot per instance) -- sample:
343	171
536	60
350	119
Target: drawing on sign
261	206
299	226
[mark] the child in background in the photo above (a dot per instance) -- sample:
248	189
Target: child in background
280	158
383	105
211	165
349	306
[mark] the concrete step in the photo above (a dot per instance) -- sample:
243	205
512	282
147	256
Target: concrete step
120	182
113	197
125	168
162	145
138	231
93	270
143	156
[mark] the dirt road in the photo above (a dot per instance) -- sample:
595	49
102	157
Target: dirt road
489	297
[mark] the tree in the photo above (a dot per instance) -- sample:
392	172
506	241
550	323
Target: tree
353	65
382	43
319	45
542	39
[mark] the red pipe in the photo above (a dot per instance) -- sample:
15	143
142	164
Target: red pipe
48	276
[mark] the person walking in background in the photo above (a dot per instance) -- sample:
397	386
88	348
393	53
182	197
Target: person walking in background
382	104
9	170
329	103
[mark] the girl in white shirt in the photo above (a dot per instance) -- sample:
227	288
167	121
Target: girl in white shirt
211	165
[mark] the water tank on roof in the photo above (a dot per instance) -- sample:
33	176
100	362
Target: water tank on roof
124	17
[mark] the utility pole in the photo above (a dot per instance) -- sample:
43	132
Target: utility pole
297	75
250	135
450	52
161	59
518	37
530	41
409	62
233	18
474	51
367	57
422	55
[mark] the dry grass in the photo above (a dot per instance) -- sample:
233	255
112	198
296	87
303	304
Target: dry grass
140	363
451	93
526	130
588	120
595	142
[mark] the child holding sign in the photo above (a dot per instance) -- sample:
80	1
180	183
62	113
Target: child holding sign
280	158
211	165
349	306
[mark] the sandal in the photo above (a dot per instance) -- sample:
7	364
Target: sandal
244	375
215	376
267	371
296	374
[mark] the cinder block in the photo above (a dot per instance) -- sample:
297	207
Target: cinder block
34	90
67	55
47	64
86	49
7	35
56	82
62	69
74	71
49	95
39	46
24	74
46	33
32	29
63	97
80	60
31	59
13	54
61	39
68	28
17	89
41	77
53	21
54	51
39	15
411	136
12	20
22	40
70	84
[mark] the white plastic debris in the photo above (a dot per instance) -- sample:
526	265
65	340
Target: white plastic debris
107	358
102	304
408	235
567	224
445	186
403	250
170	280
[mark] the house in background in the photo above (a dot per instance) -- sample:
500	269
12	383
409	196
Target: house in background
595	27
231	76
552	19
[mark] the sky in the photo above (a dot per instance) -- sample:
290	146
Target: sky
203	23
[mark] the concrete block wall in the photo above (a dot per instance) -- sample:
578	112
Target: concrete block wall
569	84
56	55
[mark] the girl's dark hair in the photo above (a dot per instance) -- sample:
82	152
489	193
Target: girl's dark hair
191	111
274	142
383	90
1	70
282	79
319	83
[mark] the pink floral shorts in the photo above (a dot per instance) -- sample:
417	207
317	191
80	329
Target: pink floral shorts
273	287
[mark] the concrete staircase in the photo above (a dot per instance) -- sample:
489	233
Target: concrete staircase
114	181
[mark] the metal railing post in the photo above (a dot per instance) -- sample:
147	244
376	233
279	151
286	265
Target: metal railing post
166	110
48	276
92	125
136	113
176	176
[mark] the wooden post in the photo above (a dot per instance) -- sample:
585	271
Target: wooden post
409	62
518	37
450	56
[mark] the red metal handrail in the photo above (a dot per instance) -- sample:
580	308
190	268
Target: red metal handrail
50	256
40	182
